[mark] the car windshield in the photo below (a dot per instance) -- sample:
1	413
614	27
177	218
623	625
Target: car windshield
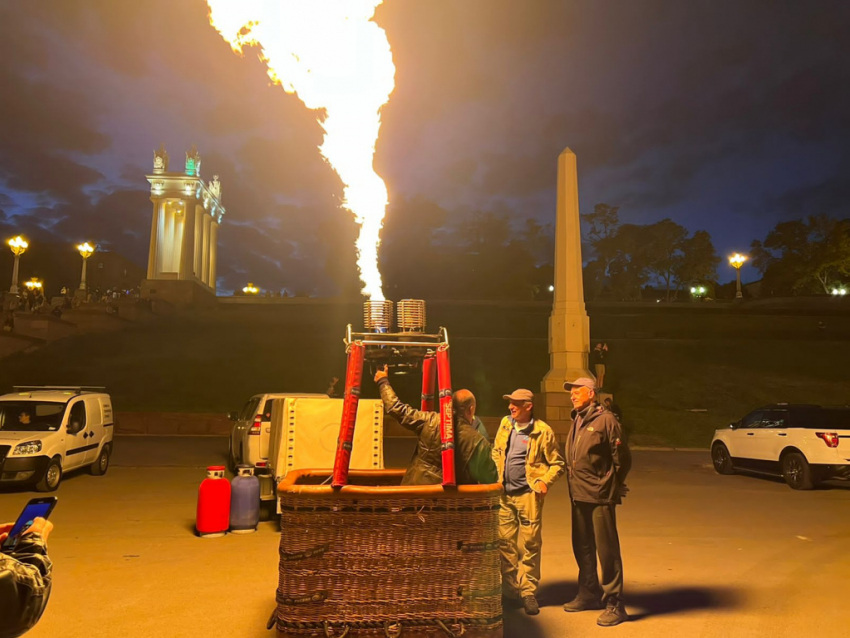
30	416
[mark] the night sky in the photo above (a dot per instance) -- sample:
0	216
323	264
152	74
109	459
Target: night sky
726	115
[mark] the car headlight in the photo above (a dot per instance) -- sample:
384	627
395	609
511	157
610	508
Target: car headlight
30	447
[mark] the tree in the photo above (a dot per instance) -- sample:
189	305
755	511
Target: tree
627	257
699	260
804	256
662	251
603	223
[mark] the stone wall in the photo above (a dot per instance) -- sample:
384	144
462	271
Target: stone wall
172	423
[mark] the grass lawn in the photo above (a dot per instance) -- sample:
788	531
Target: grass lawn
213	361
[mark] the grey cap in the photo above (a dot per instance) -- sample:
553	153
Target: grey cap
582	382
520	395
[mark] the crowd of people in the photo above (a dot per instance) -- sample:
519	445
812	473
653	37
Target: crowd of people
33	301
526	459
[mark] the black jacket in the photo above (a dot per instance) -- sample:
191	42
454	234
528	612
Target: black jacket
25	580
473	460
598	457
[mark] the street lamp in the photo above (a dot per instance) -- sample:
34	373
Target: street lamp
250	289
86	251
34	284
839	292
19	246
737	260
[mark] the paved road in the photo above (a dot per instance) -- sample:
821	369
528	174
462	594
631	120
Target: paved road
705	555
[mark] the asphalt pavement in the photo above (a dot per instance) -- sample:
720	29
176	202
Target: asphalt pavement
704	555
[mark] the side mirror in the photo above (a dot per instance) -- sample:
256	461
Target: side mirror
233	416
733	426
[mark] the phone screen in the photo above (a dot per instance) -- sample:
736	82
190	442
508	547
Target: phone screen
35	508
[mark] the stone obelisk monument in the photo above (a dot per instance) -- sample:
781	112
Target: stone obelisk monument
569	325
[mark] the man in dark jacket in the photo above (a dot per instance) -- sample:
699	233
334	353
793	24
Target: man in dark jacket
598	461
25	579
473	462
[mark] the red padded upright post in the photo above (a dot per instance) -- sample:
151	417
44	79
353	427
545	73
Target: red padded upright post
353	379
429	382
444	379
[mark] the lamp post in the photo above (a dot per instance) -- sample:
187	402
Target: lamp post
19	246
737	260
86	251
250	289
34	284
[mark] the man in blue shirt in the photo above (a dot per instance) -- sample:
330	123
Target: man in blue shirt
529	462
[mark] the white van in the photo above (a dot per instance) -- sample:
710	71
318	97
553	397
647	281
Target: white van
46	431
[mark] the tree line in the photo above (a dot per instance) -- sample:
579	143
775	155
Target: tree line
428	252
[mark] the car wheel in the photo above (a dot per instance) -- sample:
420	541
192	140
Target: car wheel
101	464
52	477
797	472
268	510
721	459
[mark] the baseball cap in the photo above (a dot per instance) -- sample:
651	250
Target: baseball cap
582	382
519	395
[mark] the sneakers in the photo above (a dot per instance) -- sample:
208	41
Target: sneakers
583	604
614	614
530	605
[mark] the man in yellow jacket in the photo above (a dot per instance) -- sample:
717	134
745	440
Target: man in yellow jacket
528	462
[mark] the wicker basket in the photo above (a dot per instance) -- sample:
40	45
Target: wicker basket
374	558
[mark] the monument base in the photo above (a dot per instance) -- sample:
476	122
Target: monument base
178	292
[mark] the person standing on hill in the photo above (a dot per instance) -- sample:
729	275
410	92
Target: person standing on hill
597	362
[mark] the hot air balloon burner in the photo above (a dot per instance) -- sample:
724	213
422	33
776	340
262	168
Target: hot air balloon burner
410	349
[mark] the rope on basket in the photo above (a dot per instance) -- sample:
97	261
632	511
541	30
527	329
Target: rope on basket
392	629
448	631
327	627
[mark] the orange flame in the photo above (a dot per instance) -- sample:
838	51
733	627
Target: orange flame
334	57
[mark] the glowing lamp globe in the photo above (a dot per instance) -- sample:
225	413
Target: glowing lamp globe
18	245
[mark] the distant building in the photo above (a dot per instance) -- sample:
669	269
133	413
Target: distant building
187	213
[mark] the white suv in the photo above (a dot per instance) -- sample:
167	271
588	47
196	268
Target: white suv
805	444
249	439
46	431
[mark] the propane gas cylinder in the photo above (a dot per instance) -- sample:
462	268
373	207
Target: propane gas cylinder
245	502
213	517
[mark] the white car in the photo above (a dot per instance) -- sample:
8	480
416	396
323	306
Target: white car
249	439
46	431
805	444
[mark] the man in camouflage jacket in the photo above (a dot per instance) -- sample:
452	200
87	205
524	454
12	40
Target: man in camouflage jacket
473	462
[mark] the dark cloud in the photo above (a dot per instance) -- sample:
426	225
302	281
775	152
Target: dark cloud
705	112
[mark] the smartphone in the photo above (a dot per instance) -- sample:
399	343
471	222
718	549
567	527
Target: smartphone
35	508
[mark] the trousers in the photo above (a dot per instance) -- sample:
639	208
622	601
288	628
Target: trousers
595	532
520	540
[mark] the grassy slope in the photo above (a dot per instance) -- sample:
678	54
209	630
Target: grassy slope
213	361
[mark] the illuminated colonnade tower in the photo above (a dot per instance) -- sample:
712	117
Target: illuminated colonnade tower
184	231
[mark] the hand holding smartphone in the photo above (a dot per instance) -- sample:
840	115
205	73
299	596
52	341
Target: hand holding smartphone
37	508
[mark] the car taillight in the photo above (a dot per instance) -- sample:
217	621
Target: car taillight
262	464
830	438
255	426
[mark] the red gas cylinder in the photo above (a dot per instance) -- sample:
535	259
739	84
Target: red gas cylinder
213	517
